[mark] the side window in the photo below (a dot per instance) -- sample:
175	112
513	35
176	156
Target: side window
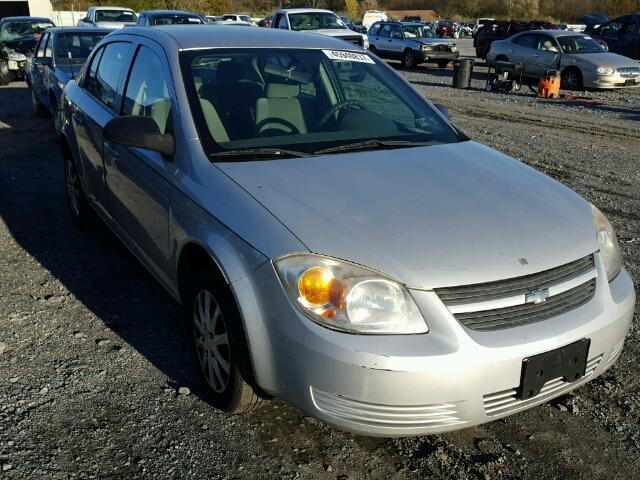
385	30
546	44
48	52
92	71
527	41
611	28
147	93
42	45
110	67
282	22
374	29
396	32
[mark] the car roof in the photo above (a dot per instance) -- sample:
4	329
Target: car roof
168	12
25	18
304	10
556	33
192	37
111	8
78	30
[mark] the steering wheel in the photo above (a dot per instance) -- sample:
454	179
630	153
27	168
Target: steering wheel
340	106
278	121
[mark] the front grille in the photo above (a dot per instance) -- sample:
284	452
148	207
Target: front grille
502	403
441	48
523	314
481	292
629	72
392	416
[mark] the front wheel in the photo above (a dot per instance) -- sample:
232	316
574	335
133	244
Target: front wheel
78	206
57	121
409	59
219	344
571	79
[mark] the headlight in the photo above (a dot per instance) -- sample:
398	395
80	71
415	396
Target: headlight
426	48
609	248
347	297
604	71
16	56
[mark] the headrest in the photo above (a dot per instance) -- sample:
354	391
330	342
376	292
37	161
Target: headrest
230	72
282	90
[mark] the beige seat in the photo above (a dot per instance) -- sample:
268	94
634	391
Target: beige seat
211	117
280	113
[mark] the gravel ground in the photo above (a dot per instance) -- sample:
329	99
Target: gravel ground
91	359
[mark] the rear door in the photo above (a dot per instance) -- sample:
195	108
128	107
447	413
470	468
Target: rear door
139	180
98	104
396	41
383	40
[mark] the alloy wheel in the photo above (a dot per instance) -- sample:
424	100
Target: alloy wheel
211	341
570	80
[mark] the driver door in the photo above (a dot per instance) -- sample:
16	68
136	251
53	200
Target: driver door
396	42
547	55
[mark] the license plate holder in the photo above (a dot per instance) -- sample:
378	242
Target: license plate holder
629	83
13	65
568	362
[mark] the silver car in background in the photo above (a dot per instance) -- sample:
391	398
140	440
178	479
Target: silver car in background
333	239
582	61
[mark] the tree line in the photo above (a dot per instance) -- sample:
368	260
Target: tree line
562	10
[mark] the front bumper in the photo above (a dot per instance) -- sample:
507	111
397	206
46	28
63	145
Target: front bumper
435	56
610	81
18	67
448	379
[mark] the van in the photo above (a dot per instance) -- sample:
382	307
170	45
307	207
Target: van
372	16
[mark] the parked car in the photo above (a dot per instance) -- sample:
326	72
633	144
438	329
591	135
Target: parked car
412	19
234	17
582	61
479	23
447	29
500	30
108	17
372	16
412	43
621	35
155	18
314	20
18	39
332	238
59	57
464	30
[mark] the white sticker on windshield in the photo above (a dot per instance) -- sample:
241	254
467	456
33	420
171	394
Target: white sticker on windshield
348	56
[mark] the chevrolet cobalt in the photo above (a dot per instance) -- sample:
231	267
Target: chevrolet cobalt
333	239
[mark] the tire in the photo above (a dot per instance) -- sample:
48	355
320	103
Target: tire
409	59
57	120
219	343
5	74
79	207
443	63
37	108
572	79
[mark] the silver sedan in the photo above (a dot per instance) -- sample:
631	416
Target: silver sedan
583	62
333	239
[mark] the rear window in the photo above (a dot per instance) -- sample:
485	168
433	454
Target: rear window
75	48
124	16
176	20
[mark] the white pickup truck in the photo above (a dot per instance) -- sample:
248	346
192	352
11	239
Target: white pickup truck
108	17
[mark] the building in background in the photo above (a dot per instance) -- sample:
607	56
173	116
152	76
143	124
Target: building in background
34	8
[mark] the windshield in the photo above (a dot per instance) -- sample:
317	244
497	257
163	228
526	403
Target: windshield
314	21
576	44
176	20
115	16
12	31
418	31
303	100
75	48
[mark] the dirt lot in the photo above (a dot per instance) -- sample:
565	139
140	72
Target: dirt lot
91	359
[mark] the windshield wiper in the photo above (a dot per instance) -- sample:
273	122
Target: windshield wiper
373	145
258	153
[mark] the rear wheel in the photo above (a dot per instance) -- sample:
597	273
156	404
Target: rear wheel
443	63
501	58
5	73
409	59
572	79
78	206
219	343
57	119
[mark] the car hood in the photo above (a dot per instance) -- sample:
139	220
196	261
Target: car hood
434	216
115	24
24	45
335	32
605	59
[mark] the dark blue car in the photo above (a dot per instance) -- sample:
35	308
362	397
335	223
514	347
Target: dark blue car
621	35
59	56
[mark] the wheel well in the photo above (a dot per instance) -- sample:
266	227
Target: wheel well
573	68
502	58
53	100
193	259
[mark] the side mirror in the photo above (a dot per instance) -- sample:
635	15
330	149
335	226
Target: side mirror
139	132
442	109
